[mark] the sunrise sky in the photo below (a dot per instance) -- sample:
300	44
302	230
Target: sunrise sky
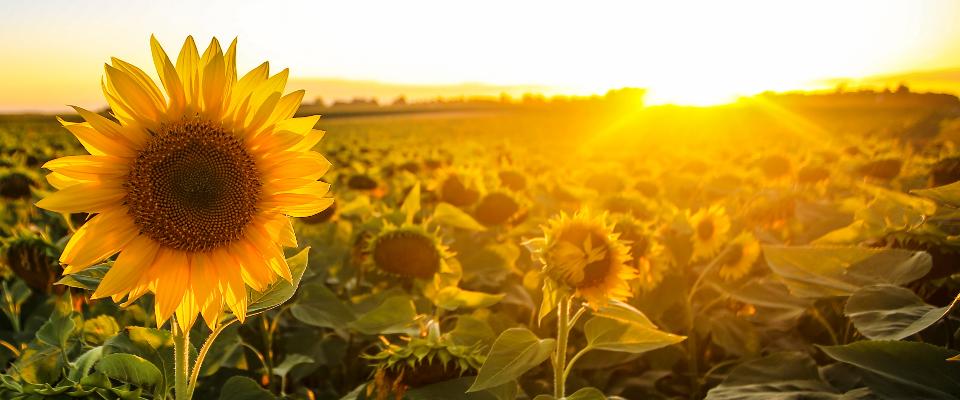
686	52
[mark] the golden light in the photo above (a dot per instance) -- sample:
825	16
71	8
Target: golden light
685	52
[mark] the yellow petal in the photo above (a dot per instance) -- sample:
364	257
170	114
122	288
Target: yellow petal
133	262
298	205
305	165
287	107
231	63
253	268
169	79
214	80
97	143
173	278
269	250
90	197
98	239
105	166
187	311
232	286
301	125
133	136
309	141
255	121
269	87
246	85
188	69
131	95
60	181
142	80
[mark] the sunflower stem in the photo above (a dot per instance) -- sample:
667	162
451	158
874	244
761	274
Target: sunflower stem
195	374
560	357
181	360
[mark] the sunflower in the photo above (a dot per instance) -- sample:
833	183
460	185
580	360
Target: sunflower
710	228
583	253
739	257
408	251
17	184
31	256
192	186
420	362
649	256
497	208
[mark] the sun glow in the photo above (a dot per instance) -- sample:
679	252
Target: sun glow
685	52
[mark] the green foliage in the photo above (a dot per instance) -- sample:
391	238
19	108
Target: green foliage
515	351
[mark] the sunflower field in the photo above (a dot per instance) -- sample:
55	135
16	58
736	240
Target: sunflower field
210	236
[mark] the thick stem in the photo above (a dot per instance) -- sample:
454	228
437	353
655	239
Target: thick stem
560	359
181	360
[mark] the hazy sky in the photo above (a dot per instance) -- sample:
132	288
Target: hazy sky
685	51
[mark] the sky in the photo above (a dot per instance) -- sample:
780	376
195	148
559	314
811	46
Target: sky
685	52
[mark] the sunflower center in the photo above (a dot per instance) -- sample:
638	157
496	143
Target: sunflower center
733	255
193	187
595	271
406	253
705	229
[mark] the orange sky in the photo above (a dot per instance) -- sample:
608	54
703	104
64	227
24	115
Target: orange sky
687	52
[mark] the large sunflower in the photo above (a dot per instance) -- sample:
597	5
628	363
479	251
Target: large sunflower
582	253
193	185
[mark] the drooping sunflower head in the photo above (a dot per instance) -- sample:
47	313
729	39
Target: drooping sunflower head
458	186
32	257
420	362
407	251
649	256
584	254
17	184
192	185
738	258
497	208
710	229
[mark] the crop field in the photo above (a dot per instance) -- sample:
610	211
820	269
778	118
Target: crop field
781	247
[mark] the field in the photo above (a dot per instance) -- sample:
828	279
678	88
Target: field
781	247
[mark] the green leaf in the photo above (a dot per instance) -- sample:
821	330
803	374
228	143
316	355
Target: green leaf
587	393
83	364
290	361
411	204
946	194
781	376
615	335
130	368
469	331
888	312
624	312
452	298
454	390
281	291
816	272
39	363
449	215
514	352
390	316
899	369
88	279
243	388
153	345
318	306
98	330
60	326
